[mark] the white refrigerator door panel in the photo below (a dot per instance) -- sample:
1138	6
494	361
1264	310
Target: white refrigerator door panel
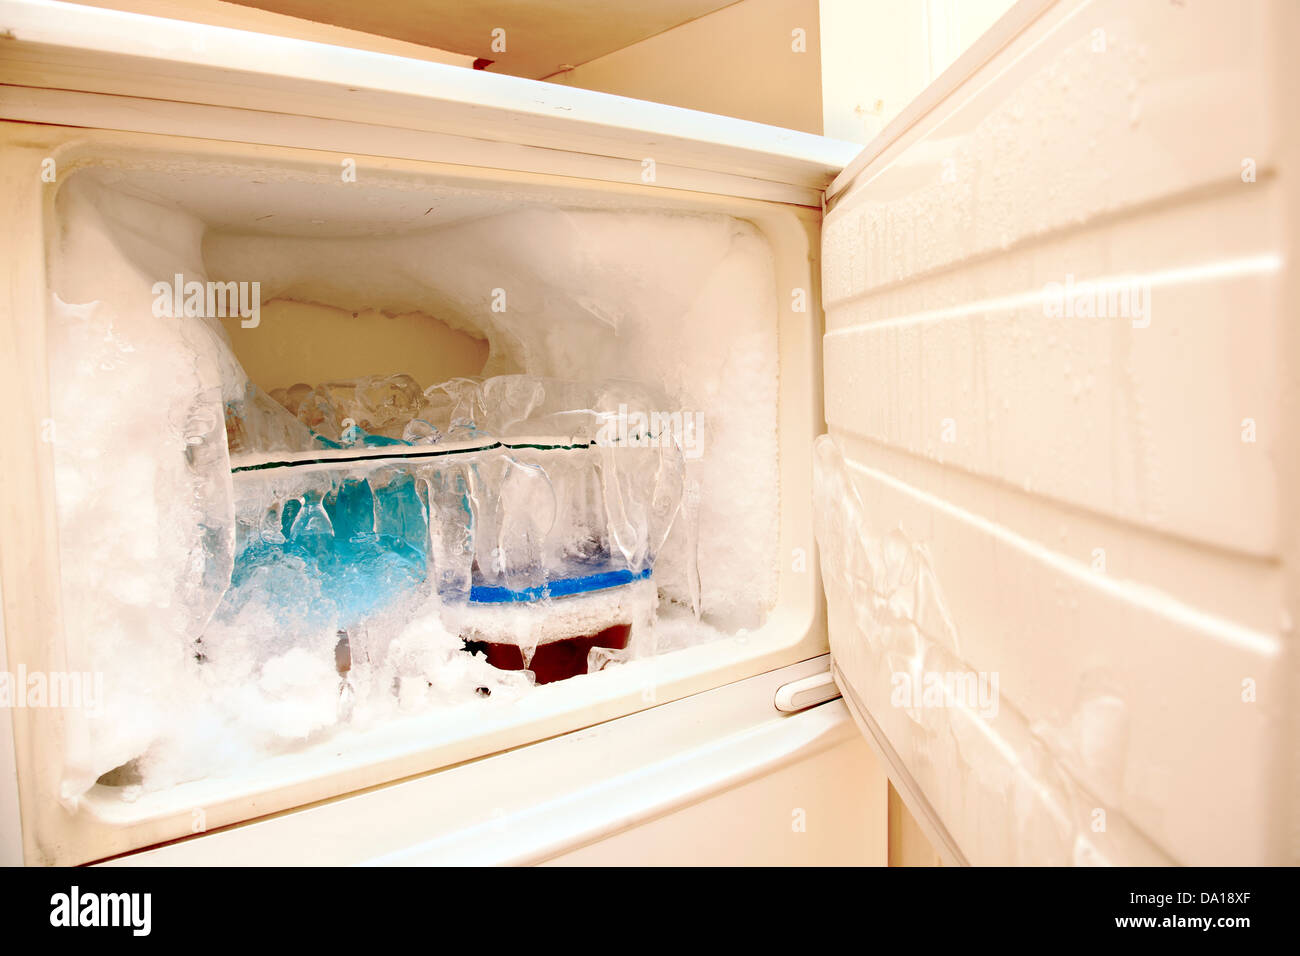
1057	506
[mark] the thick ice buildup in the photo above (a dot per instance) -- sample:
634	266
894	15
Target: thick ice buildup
237	610
141	477
545	494
377	404
544	473
531	541
257	422
687	302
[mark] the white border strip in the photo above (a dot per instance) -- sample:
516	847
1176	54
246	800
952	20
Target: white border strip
89	49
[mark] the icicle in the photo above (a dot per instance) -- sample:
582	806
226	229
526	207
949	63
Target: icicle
343	664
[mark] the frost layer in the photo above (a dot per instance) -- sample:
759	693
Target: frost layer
1007	791
209	666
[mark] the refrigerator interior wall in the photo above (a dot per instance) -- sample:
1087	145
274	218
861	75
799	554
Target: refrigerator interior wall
1062	464
287	219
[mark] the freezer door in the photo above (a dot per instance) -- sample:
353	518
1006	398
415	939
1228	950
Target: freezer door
1056	505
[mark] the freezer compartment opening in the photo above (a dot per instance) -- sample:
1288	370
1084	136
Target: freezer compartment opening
254	553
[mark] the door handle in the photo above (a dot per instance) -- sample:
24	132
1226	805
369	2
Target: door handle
807	692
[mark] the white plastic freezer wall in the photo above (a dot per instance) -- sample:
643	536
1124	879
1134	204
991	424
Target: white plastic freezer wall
507	142
1061	390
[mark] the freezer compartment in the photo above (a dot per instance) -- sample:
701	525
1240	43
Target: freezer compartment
344	533
362	268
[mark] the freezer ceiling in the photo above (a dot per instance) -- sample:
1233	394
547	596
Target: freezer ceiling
317	201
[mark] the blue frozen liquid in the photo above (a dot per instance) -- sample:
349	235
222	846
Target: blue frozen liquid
400	513
352	510
332	544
